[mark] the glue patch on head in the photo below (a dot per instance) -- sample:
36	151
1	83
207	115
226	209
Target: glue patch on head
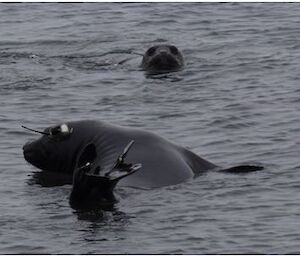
60	132
64	128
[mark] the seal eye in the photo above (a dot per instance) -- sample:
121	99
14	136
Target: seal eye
55	131
61	131
151	51
174	50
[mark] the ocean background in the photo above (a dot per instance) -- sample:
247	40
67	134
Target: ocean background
236	101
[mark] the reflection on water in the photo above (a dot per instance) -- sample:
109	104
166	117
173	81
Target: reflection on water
49	179
100	217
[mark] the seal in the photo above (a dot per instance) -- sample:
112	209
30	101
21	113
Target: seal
94	153
162	58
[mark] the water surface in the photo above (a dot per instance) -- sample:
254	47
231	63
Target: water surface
236	101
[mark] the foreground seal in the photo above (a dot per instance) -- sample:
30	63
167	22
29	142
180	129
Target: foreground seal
100	155
162	58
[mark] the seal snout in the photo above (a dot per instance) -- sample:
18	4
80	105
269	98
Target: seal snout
28	151
164	58
27	147
164	62
32	154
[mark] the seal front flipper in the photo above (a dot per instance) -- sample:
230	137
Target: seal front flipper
90	189
121	169
242	169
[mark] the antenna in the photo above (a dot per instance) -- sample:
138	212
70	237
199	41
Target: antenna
36	131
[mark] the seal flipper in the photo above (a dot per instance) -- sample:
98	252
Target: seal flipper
242	169
93	190
122	169
88	155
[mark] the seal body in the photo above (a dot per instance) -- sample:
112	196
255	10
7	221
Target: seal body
163	162
162	58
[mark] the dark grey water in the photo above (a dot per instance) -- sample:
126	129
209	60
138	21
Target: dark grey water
236	101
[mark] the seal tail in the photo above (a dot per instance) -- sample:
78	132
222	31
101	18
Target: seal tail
242	169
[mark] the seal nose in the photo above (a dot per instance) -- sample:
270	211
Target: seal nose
31	153
26	146
27	150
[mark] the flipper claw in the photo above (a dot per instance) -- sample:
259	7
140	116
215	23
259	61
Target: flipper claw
122	169
122	156
119	170
117	174
86	167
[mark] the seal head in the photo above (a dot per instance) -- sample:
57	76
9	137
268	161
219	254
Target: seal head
52	151
162	58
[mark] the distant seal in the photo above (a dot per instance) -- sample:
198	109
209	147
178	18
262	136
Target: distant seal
90	150
162	58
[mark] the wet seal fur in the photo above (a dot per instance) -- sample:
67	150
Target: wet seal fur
89	149
162	58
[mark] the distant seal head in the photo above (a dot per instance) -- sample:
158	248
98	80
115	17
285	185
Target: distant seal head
100	155
162	58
